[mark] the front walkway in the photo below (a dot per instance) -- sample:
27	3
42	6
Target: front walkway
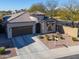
29	48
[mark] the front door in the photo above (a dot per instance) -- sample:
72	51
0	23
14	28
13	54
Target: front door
38	28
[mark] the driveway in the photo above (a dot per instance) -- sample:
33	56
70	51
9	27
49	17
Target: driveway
26	45
29	47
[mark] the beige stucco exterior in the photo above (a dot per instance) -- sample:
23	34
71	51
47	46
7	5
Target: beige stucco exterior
25	19
43	27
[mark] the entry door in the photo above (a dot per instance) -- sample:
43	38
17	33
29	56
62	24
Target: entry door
38	28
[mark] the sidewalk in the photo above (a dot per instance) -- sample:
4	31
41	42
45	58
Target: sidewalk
60	53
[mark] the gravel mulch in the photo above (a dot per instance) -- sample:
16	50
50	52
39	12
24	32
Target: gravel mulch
10	52
60	43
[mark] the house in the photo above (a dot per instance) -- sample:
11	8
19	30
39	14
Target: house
25	23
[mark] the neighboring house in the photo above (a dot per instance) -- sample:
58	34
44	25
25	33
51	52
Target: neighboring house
25	23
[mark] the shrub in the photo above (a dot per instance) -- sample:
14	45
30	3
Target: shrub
74	39
47	37
2	50
62	38
40	37
53	37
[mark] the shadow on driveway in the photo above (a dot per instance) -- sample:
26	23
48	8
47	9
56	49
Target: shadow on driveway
70	57
5	42
23	41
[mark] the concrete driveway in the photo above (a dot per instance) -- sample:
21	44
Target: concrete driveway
29	47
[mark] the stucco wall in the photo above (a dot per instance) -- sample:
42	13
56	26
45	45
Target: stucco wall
70	31
20	24
44	28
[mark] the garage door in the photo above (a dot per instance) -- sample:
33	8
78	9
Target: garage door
17	31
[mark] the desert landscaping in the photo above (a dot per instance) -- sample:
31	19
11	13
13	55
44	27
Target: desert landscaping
57	40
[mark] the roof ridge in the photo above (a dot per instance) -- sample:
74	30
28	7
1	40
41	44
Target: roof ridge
17	16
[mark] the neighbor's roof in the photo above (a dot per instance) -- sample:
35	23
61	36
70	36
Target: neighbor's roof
38	13
21	17
15	15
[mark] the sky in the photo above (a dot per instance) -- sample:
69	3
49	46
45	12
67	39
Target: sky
22	4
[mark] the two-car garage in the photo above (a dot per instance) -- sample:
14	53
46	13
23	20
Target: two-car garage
19	29
24	30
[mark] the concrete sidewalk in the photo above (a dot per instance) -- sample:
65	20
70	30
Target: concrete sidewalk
60	53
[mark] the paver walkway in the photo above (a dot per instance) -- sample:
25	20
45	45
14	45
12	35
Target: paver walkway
35	49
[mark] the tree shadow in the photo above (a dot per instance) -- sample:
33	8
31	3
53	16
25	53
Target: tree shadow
70	57
23	41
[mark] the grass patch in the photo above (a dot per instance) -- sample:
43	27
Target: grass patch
2	50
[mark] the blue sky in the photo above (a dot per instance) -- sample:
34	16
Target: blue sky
19	4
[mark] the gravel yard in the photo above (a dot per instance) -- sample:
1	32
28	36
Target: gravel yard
58	43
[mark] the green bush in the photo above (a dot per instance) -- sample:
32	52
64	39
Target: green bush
2	50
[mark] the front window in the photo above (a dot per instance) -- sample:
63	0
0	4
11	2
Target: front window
49	27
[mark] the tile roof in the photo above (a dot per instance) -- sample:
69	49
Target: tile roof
38	12
15	15
25	17
22	17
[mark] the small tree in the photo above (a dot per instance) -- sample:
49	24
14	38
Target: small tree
72	7
37	7
51	6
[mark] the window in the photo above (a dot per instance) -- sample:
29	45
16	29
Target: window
49	28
